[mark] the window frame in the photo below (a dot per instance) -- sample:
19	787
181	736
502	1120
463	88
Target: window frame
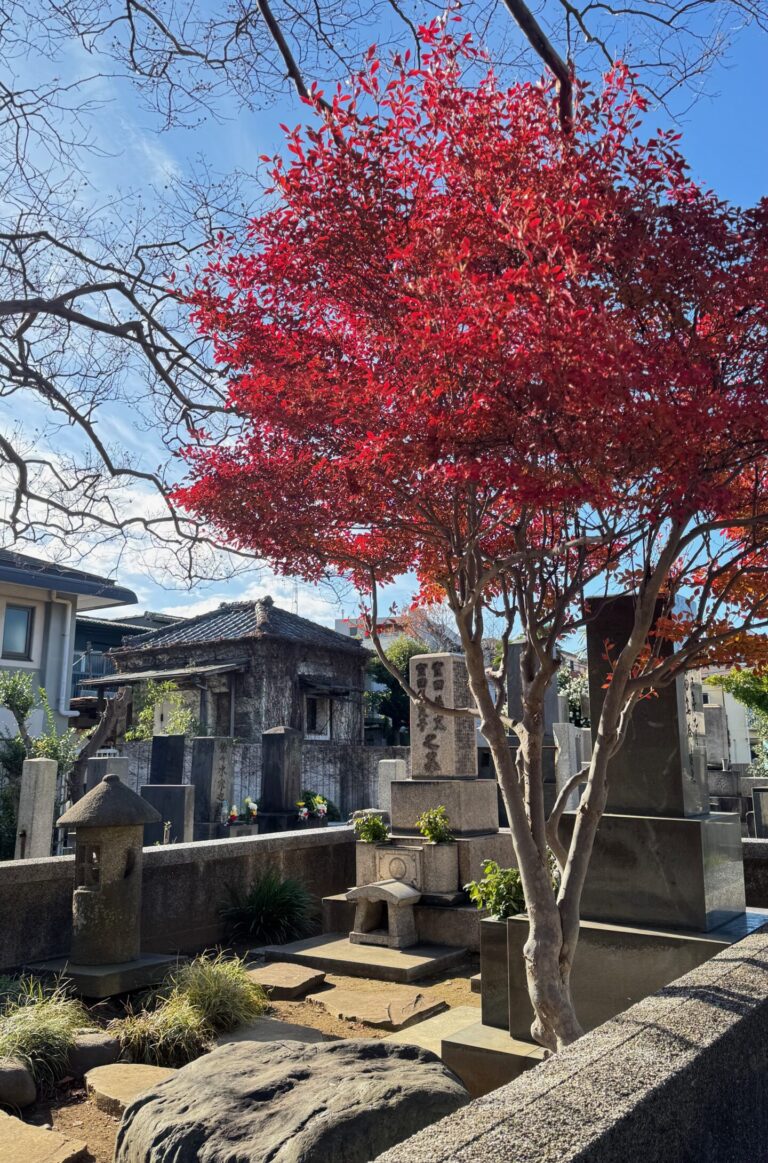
15	656
314	734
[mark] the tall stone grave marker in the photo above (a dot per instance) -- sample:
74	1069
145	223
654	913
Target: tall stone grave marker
212	777
37	804
166	763
280	779
102	765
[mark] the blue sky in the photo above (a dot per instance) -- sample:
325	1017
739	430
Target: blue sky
724	139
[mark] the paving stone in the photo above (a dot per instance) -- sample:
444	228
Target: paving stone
270	1030
430	1033
285	981
390	1009
92	1048
112	1088
17	1086
22	1143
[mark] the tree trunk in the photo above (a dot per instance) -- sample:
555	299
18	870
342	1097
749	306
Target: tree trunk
548	965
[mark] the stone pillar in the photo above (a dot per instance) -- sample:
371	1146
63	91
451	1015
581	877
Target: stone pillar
166	764
102	765
280	779
37	805
389	770
567	761
552	714
212	776
176	804
442	746
760	806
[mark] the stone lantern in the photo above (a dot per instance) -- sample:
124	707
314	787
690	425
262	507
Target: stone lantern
106	905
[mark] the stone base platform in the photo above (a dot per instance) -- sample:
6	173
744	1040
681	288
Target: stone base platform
472	804
100	981
485	1058
335	953
456	925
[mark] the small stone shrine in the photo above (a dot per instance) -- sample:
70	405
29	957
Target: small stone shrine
106	905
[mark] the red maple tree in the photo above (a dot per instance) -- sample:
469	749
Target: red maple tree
527	362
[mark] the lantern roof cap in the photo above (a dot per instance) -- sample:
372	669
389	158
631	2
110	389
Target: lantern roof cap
109	805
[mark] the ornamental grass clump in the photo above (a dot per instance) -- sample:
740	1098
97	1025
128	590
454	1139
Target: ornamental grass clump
171	1035
38	1025
273	910
219	989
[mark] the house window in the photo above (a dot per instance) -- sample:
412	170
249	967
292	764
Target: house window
317	717
17	631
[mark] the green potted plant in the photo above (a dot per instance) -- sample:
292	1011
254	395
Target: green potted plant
440	863
371	832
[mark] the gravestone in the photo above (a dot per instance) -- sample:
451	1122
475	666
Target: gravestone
212	776
102	765
760	807
175	803
441	745
280	779
166	763
37	805
389	770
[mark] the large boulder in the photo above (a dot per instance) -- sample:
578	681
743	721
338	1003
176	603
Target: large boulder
289	1102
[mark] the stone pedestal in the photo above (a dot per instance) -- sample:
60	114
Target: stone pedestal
37	805
166	764
471	804
669	871
176	804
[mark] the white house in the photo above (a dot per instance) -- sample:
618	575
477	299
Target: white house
39	602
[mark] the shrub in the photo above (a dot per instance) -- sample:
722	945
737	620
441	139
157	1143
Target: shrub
273	910
500	890
38	1024
434	825
371	829
171	1035
220	990
179	721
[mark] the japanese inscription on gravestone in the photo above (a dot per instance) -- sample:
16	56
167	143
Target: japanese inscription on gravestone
442	745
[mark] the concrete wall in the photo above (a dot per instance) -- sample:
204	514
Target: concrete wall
346	773
184	887
682	1077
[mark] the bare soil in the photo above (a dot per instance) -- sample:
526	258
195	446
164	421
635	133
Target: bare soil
69	1111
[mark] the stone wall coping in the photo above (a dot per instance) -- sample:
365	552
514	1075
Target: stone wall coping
53	867
755	849
653	1077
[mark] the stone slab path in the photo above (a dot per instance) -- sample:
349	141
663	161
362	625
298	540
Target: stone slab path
335	953
286	981
388	1009
270	1030
111	1088
22	1143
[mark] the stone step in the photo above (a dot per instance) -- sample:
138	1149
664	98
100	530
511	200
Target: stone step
284	981
112	1088
22	1143
485	1058
392	1009
457	925
430	1033
335	953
